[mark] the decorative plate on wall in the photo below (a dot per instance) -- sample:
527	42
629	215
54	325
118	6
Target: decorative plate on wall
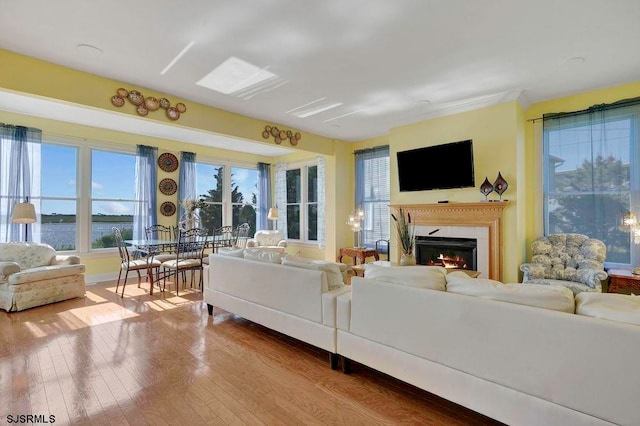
168	186
168	162
168	208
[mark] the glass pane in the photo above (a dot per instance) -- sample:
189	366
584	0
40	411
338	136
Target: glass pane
244	186
312	222
293	222
58	226
245	214
597	216
211	217
113	175
210	182
109	214
312	184
59	166
293	186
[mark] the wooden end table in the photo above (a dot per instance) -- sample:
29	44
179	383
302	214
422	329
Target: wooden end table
623	281
358	254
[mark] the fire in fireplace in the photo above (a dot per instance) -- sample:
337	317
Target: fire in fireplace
454	253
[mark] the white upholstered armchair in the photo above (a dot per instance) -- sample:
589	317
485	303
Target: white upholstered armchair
268	240
574	261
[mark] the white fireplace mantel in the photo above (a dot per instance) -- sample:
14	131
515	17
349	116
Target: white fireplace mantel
486	215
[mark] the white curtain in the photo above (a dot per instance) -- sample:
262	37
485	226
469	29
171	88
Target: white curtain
264	195
187	182
281	197
321	201
20	162
144	214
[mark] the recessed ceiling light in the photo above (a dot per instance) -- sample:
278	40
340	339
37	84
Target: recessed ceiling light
89	50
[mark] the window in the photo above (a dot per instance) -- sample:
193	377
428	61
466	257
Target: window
112	196
373	193
302	203
59	197
240	194
591	175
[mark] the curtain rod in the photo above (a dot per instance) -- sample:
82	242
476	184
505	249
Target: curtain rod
593	108
375	148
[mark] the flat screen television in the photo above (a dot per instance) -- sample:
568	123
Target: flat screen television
443	166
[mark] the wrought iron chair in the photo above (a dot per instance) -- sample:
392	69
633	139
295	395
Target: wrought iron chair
188	256
242	235
162	232
127	263
382	247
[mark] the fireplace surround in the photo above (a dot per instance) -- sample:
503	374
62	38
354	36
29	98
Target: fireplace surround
485	215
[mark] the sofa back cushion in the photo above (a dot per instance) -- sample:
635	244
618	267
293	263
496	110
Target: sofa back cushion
609	306
334	275
557	298
27	255
261	255
432	277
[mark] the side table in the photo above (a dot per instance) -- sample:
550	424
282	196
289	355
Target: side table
623	281
358	254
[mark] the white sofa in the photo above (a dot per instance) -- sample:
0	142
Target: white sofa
521	365
268	240
34	274
293	300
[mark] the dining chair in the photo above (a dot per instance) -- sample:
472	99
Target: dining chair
242	235
162	232
188	256
127	263
225	236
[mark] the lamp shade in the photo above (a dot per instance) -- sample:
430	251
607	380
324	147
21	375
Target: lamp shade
273	213
24	213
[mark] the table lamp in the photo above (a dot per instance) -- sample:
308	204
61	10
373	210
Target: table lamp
24	213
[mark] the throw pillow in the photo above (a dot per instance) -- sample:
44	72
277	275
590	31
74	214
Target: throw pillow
230	252
334	276
262	256
431	277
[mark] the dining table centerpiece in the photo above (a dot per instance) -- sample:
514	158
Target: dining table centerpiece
405	234
190	218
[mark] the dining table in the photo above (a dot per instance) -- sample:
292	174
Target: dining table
149	247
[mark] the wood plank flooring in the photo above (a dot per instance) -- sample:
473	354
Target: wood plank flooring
161	360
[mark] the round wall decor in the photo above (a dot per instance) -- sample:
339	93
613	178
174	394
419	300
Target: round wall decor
168	162
168	186
168	208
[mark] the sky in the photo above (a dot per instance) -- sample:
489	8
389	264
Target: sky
113	177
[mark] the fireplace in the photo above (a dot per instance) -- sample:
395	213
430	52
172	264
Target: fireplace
453	253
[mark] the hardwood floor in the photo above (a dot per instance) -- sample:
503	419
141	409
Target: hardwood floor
161	360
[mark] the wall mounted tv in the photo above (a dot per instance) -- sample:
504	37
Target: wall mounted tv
443	166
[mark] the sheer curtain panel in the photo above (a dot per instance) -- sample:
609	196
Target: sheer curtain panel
146	193
264	195
187	183
281	197
20	154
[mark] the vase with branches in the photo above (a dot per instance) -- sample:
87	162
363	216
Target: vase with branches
405	234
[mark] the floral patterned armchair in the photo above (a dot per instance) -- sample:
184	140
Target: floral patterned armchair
574	261
33	274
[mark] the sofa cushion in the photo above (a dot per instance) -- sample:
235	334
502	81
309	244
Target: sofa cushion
557	298
27	255
262	255
432	277
609	306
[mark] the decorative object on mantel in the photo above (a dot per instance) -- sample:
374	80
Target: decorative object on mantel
168	162
281	135
405	233
144	105
500	185
486	188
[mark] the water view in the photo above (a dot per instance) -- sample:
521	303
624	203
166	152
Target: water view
63	235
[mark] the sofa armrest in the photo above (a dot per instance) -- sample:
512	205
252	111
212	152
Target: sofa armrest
252	242
8	268
592	277
66	260
532	271
343	311
282	243
45	273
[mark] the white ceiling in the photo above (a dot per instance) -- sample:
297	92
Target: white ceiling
387	62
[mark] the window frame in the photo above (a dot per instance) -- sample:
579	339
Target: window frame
304	201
